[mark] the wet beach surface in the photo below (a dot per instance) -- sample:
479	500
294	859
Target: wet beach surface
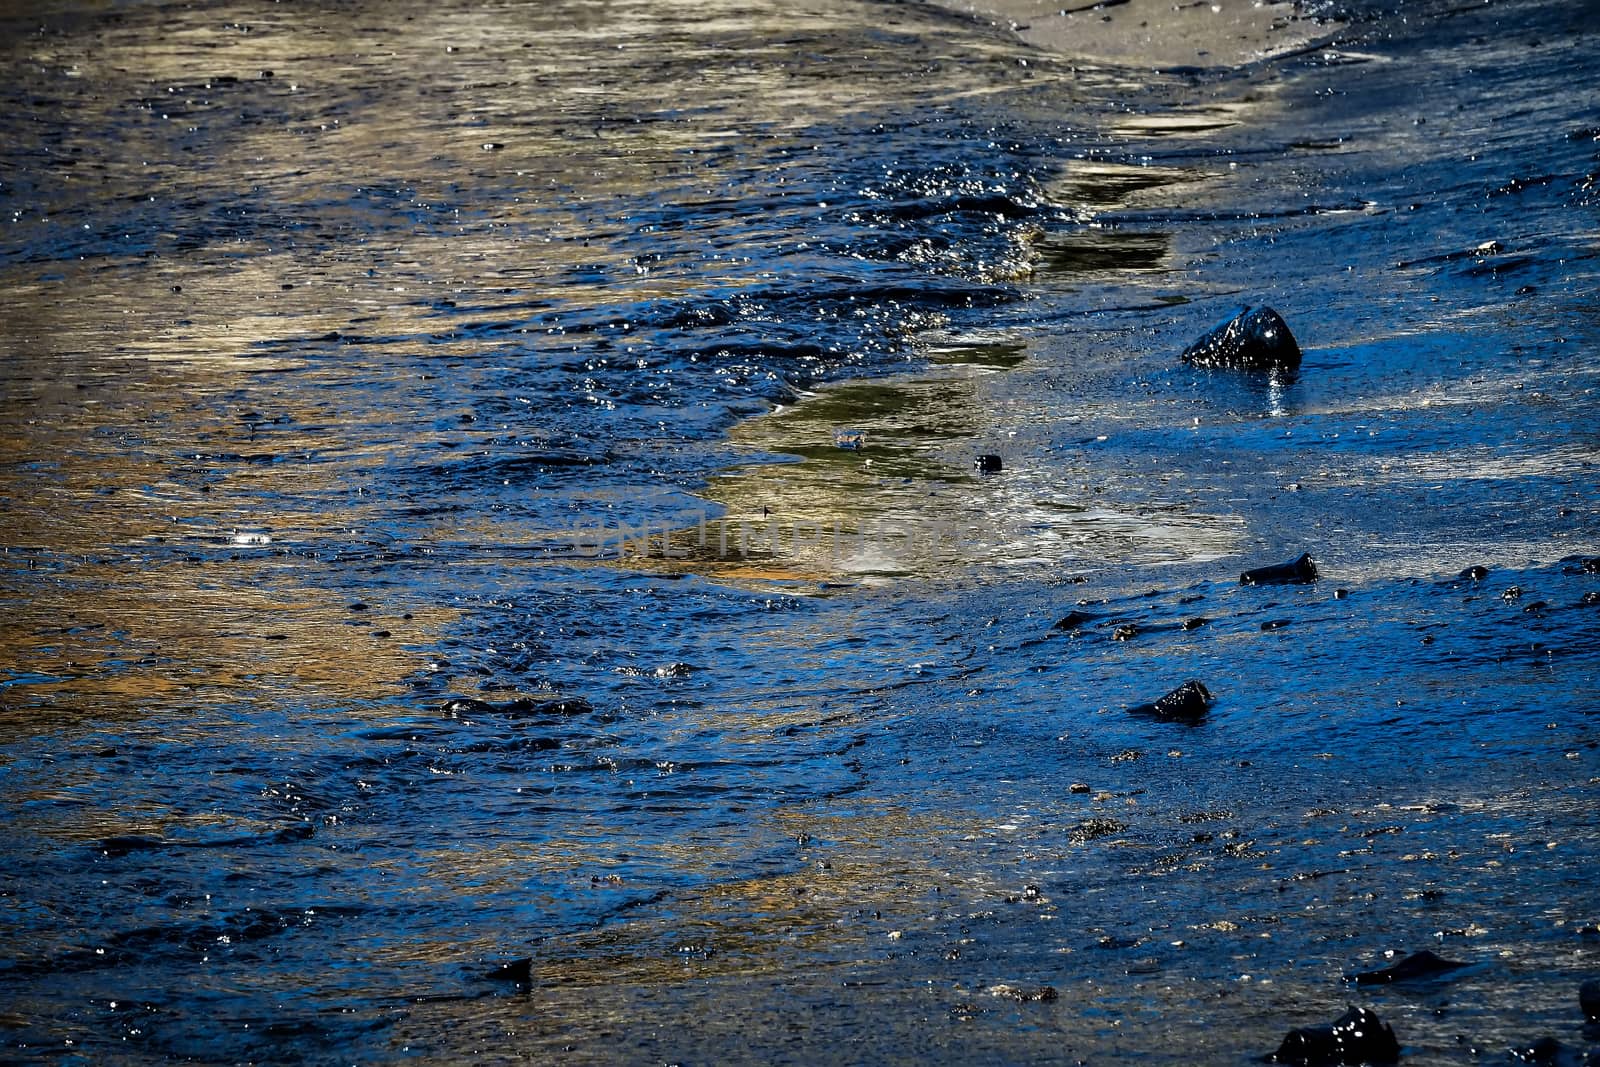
428	543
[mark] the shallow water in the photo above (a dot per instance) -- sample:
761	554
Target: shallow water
506	353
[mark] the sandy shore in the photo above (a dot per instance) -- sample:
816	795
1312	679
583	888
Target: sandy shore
1154	33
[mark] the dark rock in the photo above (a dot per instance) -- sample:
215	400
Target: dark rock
988	464
1422	964
1194	623
1544	1050
1589	999
1549	1052
1073	620
1514	593
1094	830
1253	339
1358	1036
1187	703
122	845
522	706
1592	597
1275	624
1024	994
1126	632
519	972
1475	573
1110	941
1295	572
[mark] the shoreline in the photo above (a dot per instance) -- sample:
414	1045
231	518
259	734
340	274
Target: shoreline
1155	33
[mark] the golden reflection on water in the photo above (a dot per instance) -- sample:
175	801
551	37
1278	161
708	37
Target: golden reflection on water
879	481
151	543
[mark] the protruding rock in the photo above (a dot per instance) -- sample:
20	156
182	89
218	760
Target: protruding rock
1589	999
1358	1036
1187	703
1296	572
989	464
1253	339
1422	964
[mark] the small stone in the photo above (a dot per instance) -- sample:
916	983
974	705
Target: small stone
851	439
989	464
1078	787
1300	571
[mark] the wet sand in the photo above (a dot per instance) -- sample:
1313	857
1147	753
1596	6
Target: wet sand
337	675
